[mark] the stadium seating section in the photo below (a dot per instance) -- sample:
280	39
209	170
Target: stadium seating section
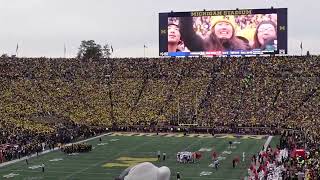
44	98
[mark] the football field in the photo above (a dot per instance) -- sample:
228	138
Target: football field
118	151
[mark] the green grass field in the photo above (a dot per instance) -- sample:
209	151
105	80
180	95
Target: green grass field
116	152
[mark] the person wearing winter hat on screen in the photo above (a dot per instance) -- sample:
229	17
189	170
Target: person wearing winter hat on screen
222	37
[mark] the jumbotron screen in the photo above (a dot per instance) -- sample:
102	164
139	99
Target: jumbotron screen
223	32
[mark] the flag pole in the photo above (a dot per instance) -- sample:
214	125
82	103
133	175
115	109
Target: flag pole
17	48
111	48
64	50
144	51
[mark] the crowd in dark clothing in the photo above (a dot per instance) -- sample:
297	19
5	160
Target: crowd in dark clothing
46	101
77	148
191	129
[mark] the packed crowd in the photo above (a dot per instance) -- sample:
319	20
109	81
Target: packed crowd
63	99
18	141
294	158
252	21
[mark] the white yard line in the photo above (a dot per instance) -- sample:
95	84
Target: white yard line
93	165
266	144
195	142
48	151
88	167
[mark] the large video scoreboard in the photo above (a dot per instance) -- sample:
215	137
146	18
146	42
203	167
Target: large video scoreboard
223	32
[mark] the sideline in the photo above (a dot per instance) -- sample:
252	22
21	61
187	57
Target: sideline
48	151
266	144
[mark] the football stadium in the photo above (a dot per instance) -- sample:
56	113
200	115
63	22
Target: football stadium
222	97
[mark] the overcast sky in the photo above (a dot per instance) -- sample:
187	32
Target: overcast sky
41	27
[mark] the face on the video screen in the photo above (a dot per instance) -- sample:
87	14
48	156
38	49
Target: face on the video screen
223	30
173	34
266	32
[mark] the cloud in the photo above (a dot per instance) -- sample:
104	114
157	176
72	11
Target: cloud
43	26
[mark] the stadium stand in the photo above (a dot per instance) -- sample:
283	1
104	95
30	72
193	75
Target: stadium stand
45	102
